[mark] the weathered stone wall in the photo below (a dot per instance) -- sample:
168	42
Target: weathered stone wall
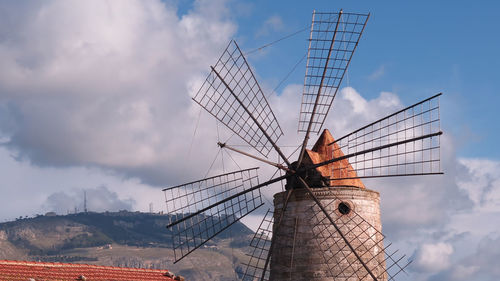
309	248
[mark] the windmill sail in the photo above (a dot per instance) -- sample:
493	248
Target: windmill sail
232	95
350	246
255	268
202	209
333	40
404	143
341	261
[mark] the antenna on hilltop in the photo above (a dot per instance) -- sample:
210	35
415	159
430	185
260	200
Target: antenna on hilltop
85	201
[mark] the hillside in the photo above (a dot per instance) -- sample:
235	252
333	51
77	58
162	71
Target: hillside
131	239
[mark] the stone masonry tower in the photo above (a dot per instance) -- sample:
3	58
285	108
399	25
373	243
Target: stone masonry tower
307	246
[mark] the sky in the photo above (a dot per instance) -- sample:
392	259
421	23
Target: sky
95	96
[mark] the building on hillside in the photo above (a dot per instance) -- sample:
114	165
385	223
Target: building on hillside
50	271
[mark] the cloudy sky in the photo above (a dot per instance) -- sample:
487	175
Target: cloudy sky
95	96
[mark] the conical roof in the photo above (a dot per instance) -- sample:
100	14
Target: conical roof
322	151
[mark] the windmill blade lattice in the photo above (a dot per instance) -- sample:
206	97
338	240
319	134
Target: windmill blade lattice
232	95
333	40
352	247
341	261
404	143
255	268
205	198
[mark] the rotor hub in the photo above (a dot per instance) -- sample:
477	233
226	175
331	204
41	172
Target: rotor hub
311	176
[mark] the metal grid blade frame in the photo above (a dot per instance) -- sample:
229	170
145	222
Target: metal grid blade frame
340	33
190	198
260	244
341	261
416	129
233	96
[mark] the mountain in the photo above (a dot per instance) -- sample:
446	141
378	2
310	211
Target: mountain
130	239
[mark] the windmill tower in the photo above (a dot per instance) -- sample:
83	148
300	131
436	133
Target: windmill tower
325	224
302	255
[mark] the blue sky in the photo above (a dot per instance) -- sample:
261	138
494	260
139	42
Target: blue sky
95	96
418	48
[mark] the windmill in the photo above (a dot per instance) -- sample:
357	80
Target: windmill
325	224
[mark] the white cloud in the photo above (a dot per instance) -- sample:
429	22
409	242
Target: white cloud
26	188
105	83
464	272
434	257
411	205
350	110
480	265
378	73
482	183
111	89
96	93
272	24
99	199
357	102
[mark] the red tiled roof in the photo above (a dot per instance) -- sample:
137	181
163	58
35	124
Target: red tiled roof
48	271
341	170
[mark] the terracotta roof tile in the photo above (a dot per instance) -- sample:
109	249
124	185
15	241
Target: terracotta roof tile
322	151
52	271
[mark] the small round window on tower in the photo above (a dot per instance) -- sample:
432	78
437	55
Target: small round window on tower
344	208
